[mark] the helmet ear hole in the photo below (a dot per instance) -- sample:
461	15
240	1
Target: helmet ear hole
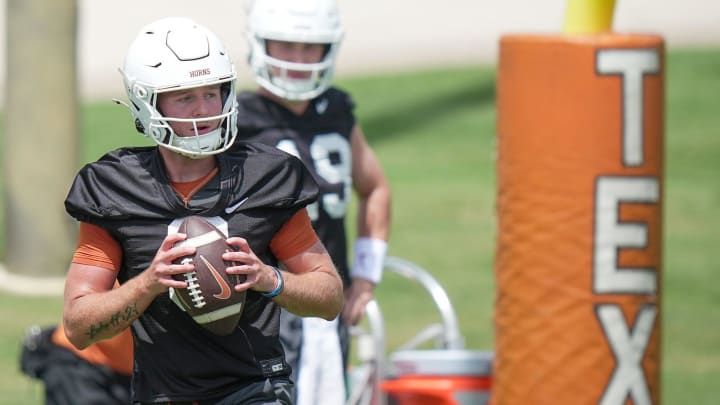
139	126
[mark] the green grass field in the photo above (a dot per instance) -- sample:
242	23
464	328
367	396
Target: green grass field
435	134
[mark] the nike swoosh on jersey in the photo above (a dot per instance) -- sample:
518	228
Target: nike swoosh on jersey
235	206
321	106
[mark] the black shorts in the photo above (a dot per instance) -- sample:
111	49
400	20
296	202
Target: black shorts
69	379
272	391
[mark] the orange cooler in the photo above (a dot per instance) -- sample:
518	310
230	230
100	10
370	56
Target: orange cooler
439	377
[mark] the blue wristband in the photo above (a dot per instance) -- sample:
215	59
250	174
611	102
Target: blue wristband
278	289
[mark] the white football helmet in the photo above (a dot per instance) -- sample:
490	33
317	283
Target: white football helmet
174	54
305	21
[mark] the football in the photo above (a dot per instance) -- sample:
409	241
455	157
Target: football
209	298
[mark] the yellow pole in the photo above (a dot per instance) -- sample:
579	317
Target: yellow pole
589	16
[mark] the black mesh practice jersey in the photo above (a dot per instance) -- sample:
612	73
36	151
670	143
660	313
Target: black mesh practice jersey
257	189
320	137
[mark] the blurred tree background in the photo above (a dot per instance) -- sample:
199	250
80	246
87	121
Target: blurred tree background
41	135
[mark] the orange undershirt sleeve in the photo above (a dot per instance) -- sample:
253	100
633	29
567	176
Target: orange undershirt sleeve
295	236
97	248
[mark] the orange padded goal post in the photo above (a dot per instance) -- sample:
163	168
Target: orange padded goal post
578	260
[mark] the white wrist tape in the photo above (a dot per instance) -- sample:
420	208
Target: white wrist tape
369	259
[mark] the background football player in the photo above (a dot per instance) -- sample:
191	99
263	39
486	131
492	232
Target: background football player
293	45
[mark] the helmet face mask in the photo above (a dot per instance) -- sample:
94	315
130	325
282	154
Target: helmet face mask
298	21
175	54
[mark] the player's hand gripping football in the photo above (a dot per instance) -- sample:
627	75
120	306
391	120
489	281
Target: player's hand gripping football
159	276
260	277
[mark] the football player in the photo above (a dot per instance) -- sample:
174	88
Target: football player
293	46
181	88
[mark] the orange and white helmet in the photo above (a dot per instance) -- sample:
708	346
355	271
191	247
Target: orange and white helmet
304	21
173	54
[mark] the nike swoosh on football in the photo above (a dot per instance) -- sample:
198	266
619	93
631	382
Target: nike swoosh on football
225	290
235	206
